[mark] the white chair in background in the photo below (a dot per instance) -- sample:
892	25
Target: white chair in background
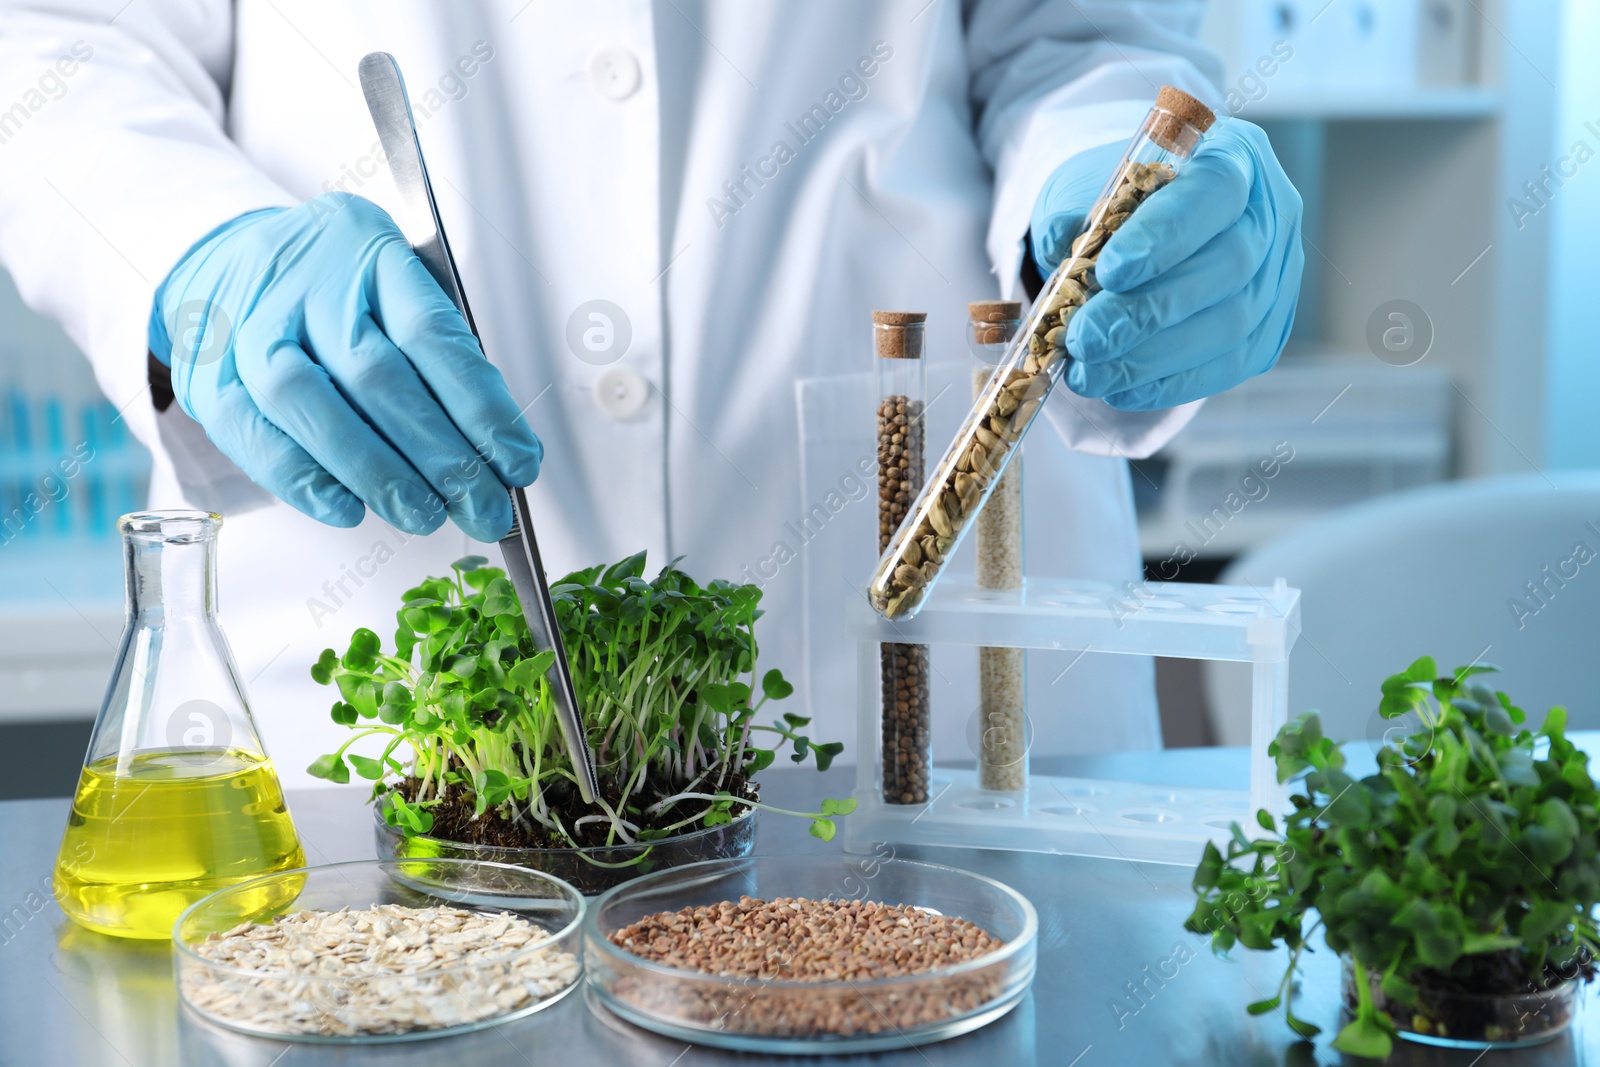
1504	570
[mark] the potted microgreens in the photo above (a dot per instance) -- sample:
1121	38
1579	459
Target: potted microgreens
471	759
1458	883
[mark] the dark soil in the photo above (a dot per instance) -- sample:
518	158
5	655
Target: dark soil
1501	974
453	818
1526	1012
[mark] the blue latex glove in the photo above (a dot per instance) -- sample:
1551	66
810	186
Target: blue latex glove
322	358
1200	284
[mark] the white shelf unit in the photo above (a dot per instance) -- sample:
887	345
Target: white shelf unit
61	608
1415	104
1332	432
1410	127
59	629
1080	816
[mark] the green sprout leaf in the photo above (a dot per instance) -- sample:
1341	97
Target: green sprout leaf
719	698
330	767
1399	989
397	704
526	674
500	598
838	807
1555	722
1364	1037
1210	870
322	670
370	769
618	572
363	651
1553	835
775	687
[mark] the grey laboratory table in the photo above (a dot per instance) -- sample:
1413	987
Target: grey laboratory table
70	997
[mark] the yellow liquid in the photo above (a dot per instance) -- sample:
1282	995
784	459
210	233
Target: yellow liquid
172	827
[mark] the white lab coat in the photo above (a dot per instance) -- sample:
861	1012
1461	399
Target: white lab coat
747	181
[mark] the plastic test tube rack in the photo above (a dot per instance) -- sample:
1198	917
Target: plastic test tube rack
1076	816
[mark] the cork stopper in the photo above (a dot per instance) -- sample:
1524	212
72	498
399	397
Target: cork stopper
994	310
898	334
992	320
1179	121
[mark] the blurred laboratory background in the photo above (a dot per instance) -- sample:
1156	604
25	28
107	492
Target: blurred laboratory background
1443	345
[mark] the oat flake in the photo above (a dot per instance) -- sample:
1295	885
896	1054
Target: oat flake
376	970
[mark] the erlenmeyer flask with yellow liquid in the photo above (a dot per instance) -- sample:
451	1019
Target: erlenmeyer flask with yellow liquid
177	798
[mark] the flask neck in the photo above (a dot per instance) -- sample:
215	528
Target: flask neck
170	579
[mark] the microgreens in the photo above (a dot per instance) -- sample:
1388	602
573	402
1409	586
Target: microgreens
665	672
1465	844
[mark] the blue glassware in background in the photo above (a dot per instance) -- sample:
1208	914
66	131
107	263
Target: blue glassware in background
68	468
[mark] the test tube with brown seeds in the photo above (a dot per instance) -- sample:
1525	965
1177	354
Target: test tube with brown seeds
1002	672
902	396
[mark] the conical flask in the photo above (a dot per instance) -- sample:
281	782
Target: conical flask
177	797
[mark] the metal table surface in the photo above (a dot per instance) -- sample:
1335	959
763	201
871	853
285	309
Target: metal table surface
71	997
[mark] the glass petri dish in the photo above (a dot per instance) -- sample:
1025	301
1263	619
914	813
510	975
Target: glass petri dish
812	1017
1451	1019
589	870
303	1001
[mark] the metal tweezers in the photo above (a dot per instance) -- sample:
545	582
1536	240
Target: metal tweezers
385	91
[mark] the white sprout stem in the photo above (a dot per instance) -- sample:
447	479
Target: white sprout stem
737	800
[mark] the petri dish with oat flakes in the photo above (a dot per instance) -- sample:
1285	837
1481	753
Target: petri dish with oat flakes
379	950
833	1001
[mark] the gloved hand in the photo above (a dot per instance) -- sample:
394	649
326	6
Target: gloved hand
322	358
1199	285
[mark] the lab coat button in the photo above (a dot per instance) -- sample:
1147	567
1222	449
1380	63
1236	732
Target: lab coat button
614	73
621	392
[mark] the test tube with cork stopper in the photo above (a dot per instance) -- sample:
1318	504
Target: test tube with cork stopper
1002	672
898	371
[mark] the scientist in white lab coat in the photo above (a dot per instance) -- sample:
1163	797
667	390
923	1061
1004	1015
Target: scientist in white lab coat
666	215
